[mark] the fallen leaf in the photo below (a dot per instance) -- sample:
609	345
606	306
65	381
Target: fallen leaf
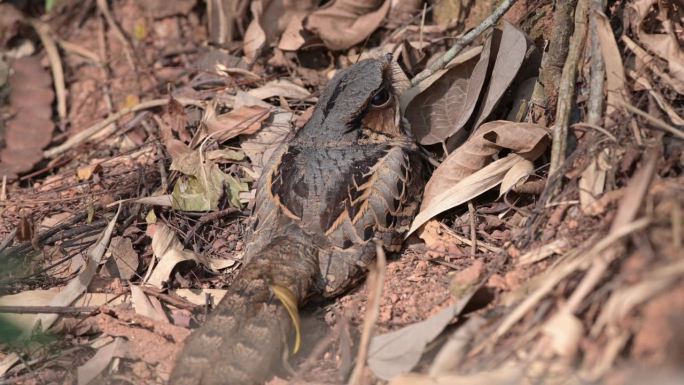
78	285
255	36
434	113
516	175
342	24
169	252
86	172
243	120
144	307
522	138
399	351
510	57
125	257
199	296
100	361
280	87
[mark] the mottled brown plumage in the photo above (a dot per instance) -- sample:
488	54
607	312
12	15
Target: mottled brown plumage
349	176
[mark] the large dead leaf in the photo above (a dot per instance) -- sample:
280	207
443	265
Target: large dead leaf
436	107
271	19
399	351
525	139
510	57
30	128
342	24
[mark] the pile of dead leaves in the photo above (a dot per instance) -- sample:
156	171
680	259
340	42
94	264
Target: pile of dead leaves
555	203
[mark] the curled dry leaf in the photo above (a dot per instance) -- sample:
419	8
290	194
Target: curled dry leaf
280	87
526	139
517	175
399	351
510	56
203	184
87	372
342	24
462	177
273	18
169	251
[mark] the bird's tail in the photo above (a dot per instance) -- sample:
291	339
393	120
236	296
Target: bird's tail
243	339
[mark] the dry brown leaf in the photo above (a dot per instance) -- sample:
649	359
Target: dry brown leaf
255	36
199	296
342	24
510	57
243	120
666	45
615	71
399	351
125	256
143	305
280	87
271	19
87	372
78	285
592	181
517	175
435	113
169	252
522	138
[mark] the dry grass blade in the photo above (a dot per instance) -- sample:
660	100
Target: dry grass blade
78	285
615	71
377	279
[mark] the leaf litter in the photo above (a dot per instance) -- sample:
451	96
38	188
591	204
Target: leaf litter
563	287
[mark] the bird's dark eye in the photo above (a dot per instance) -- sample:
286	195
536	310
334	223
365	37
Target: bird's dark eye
381	98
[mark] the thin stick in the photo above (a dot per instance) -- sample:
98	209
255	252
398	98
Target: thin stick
473	230
655	121
47	309
43	32
468	38
128	48
94	129
566	92
372	312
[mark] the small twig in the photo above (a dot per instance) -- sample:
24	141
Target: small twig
94	129
171	299
43	32
566	92
654	121
598	69
47	309
377	274
128	48
597	128
473	230
468	38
